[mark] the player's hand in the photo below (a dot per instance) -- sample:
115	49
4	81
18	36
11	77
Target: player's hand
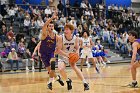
33	55
56	51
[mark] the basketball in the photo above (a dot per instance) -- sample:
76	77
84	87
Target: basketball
73	57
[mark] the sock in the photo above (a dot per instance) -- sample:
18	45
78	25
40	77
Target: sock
56	78
33	63
27	68
26	60
134	81
50	80
84	81
67	79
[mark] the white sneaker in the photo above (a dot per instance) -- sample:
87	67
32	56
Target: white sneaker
97	64
108	61
33	69
104	63
27	69
88	65
101	64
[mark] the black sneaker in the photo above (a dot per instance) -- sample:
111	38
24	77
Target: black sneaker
50	86
97	70
133	85
86	86
60	81
69	86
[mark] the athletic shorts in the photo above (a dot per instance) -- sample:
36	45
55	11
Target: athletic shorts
63	59
46	59
87	54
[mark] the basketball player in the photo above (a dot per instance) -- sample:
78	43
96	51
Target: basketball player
135	63
86	51
68	43
46	49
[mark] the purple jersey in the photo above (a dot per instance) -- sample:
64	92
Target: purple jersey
47	49
138	51
48	45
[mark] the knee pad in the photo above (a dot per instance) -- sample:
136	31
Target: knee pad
52	65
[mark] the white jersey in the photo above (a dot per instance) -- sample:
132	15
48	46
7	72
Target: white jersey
86	42
86	51
68	45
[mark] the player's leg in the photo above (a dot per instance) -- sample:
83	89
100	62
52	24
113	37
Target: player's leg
52	72
80	75
62	68
33	63
94	60
82	62
83	58
134	73
46	60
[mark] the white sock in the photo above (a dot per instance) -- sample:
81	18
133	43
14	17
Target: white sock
26	60
84	81
56	78
50	80
134	81
33	67
27	68
33	63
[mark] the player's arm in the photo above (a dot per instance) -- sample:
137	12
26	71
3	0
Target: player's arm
60	46
91	43
134	46
57	43
77	45
81	43
45	27
36	48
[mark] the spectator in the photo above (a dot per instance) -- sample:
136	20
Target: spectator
13	44
33	28
25	54
32	44
10	35
40	22
12	57
12	13
26	24
48	11
60	7
3	33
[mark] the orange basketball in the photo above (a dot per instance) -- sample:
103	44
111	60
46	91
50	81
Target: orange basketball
73	57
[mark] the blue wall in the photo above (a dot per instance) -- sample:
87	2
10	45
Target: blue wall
119	2
36	2
92	2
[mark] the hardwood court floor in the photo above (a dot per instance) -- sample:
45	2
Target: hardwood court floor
110	80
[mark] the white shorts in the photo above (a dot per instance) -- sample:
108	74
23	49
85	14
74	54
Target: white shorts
63	59
85	53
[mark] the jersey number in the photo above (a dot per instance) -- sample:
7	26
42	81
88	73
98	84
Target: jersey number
68	48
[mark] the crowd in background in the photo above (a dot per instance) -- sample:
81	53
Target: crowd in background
111	25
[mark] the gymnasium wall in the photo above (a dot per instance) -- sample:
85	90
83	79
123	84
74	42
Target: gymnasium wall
36	2
92	2
119	2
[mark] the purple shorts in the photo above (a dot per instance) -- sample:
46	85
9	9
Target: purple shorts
46	59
